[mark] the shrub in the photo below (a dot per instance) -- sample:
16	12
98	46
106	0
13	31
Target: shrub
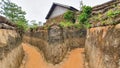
86	9
110	13
84	16
22	25
69	16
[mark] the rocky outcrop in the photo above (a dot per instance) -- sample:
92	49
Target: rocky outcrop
102	47
6	24
11	51
56	41
102	8
13	59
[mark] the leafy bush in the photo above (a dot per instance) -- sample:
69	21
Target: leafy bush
86	9
69	16
22	25
83	18
110	13
84	15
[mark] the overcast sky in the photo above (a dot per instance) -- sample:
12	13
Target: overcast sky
38	9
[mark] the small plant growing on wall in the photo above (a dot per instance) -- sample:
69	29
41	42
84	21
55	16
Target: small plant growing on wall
113	13
66	24
69	16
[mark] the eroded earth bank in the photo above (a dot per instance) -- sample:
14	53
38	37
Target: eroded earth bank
57	47
11	51
70	48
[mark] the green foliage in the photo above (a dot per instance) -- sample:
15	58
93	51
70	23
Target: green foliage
22	25
87	25
85	15
112	13
70	24
107	18
86	9
83	18
46	27
14	13
66	24
69	16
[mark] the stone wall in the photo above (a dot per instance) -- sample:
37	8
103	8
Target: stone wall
103	46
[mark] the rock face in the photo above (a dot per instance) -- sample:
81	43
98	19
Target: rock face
56	41
55	35
102	47
6	24
11	51
55	50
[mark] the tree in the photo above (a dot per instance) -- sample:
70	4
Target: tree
14	13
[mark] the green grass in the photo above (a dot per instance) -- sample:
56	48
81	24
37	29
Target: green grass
113	13
69	24
66	24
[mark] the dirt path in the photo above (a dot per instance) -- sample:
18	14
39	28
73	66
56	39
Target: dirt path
35	60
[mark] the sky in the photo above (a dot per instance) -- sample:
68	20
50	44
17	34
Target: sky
38	9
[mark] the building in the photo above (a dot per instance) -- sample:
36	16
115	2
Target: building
56	12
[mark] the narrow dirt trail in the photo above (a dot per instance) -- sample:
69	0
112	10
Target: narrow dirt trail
35	60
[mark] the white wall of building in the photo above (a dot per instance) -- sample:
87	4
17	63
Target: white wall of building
58	11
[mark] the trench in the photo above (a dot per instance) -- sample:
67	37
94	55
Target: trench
34	59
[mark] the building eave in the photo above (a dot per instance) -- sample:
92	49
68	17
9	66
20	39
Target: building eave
61	5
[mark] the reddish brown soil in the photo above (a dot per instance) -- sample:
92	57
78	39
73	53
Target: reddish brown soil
34	59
